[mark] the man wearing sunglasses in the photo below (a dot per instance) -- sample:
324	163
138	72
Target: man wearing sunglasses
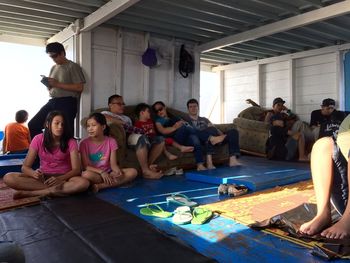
65	83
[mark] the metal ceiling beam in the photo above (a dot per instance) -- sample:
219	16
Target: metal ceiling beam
24	32
310	34
65	5
295	40
244	7
208	9
222	54
23	6
106	12
25	18
36	14
175	19
26	28
11	34
327	33
94	3
240	48
20	23
185	13
280	26
307	37
215	58
160	31
278	5
262	46
167	26
277	44
315	3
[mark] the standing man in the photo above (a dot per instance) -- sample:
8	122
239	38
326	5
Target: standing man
210	136
65	83
326	121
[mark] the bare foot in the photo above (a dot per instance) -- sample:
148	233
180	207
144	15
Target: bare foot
186	149
234	162
316	225
154	168
57	190
304	159
25	194
170	156
201	167
149	174
339	230
217	139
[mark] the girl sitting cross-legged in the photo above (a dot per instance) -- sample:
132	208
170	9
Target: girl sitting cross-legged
59	171
99	156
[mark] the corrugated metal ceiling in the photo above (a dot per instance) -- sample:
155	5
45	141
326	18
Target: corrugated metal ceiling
201	21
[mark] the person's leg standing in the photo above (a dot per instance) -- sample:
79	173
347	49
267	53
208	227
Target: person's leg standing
36	124
67	105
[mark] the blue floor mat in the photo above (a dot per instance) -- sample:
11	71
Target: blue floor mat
255	173
11	163
221	238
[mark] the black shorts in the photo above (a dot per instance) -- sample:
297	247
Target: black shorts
340	185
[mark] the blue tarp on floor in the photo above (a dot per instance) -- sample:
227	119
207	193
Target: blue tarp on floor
221	238
255	173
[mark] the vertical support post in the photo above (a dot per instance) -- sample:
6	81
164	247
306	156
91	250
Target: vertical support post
146	72
119	62
292	84
84	59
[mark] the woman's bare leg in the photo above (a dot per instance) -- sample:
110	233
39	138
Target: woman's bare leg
322	177
20	181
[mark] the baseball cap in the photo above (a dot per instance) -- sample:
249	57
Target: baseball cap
328	102
278	100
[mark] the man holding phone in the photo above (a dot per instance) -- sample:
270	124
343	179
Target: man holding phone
65	83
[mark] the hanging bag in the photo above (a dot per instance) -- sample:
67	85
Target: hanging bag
186	64
149	57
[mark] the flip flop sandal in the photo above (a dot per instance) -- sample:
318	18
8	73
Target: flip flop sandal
155	210
236	190
201	215
182	215
223	189
181	200
171	171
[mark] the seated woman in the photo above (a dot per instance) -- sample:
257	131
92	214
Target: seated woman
179	130
331	175
59	171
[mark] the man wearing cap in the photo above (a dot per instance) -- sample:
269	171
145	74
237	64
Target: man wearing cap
287	136
326	121
65	83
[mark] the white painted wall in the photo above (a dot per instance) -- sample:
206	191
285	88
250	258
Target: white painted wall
117	69
303	81
239	85
315	80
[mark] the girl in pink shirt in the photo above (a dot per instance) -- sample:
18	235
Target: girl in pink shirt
99	156
59	171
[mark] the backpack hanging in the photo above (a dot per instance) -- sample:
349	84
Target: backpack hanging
149	57
186	64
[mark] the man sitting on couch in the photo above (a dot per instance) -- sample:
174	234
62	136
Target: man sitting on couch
210	136
116	114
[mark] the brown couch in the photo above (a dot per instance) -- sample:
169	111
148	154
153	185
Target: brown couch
253	131
127	157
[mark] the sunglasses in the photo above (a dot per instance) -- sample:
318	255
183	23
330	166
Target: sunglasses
160	109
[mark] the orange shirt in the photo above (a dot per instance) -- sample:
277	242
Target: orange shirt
16	137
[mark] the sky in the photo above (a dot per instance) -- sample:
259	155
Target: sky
20	86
